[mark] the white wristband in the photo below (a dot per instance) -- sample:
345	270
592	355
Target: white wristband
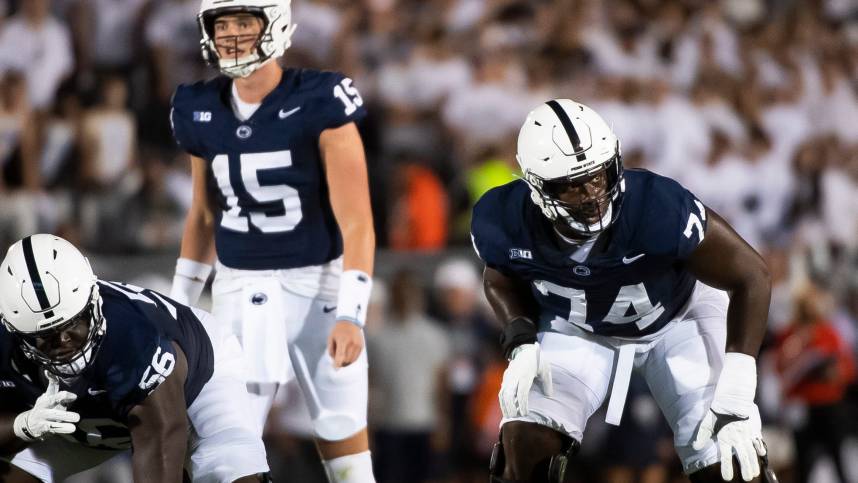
353	297
19	426
189	281
738	379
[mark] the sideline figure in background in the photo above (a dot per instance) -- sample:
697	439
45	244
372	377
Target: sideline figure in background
595	272
90	368
281	195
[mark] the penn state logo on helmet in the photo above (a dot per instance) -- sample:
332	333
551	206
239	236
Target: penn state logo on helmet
46	285
565	147
273	40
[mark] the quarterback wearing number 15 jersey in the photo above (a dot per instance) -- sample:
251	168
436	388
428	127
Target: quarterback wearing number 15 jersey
266	174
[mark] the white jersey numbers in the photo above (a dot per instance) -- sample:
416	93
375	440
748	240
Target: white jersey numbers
695	223
237	217
632	305
349	95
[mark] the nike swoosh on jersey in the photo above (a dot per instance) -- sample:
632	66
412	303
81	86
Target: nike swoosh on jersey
632	259
328	310
95	392
284	114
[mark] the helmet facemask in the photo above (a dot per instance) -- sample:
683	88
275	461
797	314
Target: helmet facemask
600	191
80	358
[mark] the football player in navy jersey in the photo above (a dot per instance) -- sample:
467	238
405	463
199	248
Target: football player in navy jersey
281	199
89	369
595	272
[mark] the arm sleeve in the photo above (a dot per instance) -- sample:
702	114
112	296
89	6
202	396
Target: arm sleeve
338	102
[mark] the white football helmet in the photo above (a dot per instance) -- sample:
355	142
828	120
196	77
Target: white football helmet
275	38
563	143
46	285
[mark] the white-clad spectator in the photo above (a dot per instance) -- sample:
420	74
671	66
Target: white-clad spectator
318	23
435	71
723	39
681	136
725	182
426	79
173	36
463	15
787	125
109	136
839	186
105	30
39	46
15	114
775	184
836	111
409	358
679	44
489	110
633	56
626	119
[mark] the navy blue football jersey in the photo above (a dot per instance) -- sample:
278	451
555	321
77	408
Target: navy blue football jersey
632	282
134	357
265	174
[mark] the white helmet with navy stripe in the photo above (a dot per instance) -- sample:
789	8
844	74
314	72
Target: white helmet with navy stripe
46	284
566	145
275	38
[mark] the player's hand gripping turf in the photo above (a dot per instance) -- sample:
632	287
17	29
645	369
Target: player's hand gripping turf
345	343
48	416
525	365
733	418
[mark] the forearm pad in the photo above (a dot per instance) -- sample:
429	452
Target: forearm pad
517	331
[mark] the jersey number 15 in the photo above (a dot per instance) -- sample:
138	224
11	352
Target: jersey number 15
248	192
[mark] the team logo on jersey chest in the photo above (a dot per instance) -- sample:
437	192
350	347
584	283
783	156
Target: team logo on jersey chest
581	270
243	131
258	298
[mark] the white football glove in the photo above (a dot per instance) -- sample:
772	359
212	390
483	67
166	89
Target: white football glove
525	365
48	416
733	419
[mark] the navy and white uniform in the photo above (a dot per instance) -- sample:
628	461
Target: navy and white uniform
278	245
136	354
624	300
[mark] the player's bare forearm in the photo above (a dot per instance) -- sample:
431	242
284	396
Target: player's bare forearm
509	297
159	429
9	443
725	261
198	235
348	186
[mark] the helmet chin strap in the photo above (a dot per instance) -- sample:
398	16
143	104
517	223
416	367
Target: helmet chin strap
595	228
243	67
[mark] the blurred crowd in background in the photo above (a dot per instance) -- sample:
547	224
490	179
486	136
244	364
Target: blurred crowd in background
751	104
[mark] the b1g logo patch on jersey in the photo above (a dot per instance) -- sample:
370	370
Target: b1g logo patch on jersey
202	116
162	364
519	253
